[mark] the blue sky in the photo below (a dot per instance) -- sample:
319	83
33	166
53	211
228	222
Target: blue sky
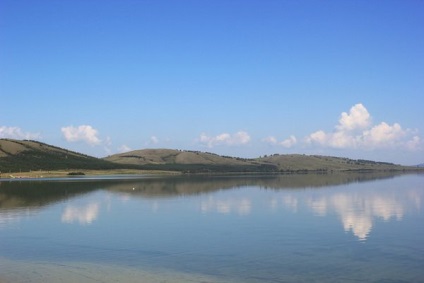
240	78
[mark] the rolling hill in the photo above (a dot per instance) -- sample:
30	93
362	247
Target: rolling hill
189	161
300	162
28	155
195	161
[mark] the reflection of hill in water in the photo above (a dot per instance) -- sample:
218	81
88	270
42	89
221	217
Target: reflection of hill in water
168	187
35	194
19	194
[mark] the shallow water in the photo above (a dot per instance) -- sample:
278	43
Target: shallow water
294	228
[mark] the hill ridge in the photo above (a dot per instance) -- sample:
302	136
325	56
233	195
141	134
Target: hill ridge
27	155
30	155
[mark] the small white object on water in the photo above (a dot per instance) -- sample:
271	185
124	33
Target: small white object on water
133	189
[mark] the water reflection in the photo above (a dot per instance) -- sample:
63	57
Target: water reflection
252	229
356	207
10	216
81	214
240	206
37	193
357	212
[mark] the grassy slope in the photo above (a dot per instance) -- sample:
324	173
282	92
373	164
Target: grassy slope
192	160
24	156
189	161
296	162
171	156
18	156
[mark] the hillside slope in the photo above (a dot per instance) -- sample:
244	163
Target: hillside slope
171	156
189	161
17	155
195	161
299	162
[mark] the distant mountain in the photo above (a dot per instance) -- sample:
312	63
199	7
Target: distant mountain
421	165
26	155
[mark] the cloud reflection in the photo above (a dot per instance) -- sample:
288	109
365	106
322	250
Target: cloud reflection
241	206
14	216
83	215
357	211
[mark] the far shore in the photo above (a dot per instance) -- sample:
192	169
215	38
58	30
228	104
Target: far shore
117	172
68	173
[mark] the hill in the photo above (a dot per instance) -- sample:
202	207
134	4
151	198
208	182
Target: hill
27	155
195	161
299	162
189	161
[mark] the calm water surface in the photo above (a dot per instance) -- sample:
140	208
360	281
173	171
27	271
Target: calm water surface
297	228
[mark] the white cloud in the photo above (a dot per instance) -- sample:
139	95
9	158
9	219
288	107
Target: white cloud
107	145
124	148
238	138
17	133
270	140
384	134
85	133
355	130
358	118
289	142
414	143
154	140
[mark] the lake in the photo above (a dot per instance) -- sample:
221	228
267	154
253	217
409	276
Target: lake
289	228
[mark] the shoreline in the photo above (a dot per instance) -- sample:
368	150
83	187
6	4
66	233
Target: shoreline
41	174
70	173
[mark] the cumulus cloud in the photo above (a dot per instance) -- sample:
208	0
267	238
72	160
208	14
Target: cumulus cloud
238	138
270	140
154	140
289	142
356	130
124	148
84	133
357	118
17	133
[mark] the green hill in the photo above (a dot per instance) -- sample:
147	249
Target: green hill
299	162
195	161
27	155
189	161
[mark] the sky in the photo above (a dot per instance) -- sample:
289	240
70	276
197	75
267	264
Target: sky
235	77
